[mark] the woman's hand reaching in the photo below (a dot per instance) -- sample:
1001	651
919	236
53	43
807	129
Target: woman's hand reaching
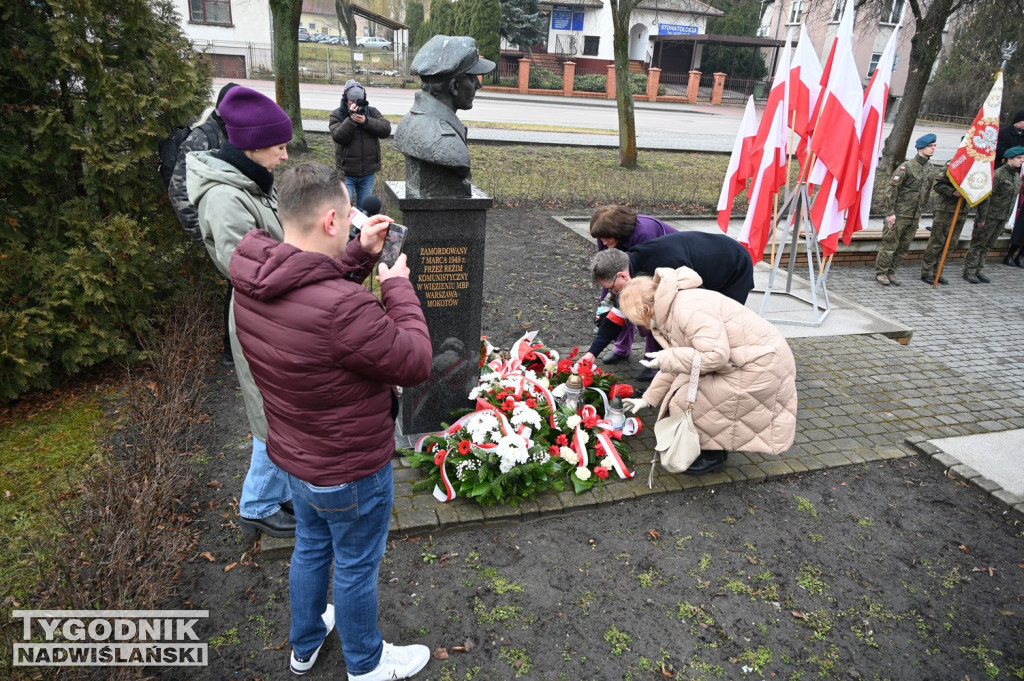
653	360
634	404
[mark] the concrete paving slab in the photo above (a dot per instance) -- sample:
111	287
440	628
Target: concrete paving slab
996	456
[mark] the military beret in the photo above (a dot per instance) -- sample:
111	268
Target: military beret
445	56
1013	151
925	140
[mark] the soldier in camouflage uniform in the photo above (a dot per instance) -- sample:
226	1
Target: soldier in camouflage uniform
944	209
908	192
993	213
208	134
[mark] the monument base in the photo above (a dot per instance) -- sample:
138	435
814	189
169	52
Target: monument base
445	252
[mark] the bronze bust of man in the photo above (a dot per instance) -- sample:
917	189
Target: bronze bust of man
431	136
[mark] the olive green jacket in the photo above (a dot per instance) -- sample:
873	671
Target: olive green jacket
998	207
910	187
230	206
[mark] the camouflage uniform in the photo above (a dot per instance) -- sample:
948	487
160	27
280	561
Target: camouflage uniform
948	196
993	213
209	136
908	192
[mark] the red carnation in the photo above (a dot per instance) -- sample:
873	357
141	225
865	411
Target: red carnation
562	440
590	420
464	447
531	403
439	457
553	451
601	472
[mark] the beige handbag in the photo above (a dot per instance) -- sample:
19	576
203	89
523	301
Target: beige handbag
676	438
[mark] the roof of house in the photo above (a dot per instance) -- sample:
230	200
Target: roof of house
681	6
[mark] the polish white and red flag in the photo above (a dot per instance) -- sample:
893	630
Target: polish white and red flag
872	118
970	169
770	149
836	141
804	85
741	165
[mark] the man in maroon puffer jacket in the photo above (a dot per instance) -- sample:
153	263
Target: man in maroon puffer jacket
325	354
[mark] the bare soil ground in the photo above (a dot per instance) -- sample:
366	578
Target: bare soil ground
876	571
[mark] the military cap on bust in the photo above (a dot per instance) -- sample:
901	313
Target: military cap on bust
925	140
445	56
1013	152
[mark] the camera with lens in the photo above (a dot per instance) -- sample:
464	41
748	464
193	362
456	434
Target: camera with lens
361	105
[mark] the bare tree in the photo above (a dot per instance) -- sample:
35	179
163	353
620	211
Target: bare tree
929	22
286	15
622	11
343	8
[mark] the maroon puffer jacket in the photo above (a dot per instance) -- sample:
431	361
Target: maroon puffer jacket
325	354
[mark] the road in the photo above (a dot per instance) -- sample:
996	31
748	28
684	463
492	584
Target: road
679	127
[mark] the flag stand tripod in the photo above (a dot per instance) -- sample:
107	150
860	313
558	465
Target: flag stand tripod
796	208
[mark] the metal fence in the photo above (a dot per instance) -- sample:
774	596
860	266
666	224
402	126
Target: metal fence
675	84
317	62
737	90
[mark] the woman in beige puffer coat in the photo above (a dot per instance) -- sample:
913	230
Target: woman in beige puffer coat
746	395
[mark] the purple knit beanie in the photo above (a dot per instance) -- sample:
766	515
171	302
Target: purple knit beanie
253	120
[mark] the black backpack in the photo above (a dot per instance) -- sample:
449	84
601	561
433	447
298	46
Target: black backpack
169	148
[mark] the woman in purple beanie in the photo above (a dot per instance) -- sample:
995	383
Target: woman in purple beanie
618	227
233	190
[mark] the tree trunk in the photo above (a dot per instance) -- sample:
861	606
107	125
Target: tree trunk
343	8
621	10
924	48
286	66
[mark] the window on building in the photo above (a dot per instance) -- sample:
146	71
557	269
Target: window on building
590	45
210	11
796	11
837	15
873	64
892	12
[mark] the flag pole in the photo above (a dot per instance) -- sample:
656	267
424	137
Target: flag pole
949	237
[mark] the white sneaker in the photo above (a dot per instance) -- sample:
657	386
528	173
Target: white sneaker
396	662
300	666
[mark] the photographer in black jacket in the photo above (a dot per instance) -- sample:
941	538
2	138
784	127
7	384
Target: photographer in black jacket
357	129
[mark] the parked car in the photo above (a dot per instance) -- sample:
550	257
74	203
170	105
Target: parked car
303	35
374	43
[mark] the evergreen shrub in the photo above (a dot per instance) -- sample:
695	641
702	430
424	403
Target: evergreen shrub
89	246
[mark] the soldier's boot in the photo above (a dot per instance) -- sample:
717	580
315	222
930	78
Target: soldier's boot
1019	260
982	278
972	277
1008	260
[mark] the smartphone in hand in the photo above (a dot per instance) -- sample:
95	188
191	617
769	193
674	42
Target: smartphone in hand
393	242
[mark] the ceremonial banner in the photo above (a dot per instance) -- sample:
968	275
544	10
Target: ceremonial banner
971	168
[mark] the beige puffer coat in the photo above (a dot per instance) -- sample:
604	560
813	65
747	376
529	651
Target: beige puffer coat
746	397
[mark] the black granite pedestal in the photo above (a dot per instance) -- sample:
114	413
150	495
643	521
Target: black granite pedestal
445	251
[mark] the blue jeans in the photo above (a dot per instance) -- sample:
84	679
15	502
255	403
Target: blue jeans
265	487
359	188
349	525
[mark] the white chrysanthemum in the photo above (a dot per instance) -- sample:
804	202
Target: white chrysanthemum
523	414
583	473
584	437
511	383
483	427
607	462
512	451
568	455
573	420
530	374
486	381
